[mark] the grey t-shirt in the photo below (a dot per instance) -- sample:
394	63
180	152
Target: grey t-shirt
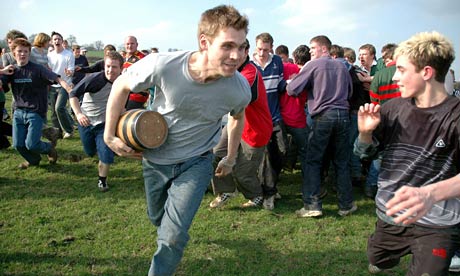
192	110
95	89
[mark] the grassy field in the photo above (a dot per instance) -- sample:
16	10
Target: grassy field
94	56
54	221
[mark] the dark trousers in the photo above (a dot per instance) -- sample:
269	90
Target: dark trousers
431	249
273	160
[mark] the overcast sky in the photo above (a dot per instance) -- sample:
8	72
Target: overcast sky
172	24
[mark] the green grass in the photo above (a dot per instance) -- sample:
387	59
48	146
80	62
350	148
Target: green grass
97	54
54	221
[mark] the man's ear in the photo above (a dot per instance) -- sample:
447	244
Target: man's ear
428	72
204	42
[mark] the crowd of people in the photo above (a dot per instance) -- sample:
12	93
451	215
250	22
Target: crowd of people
388	126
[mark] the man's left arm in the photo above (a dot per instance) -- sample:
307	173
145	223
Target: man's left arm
235	127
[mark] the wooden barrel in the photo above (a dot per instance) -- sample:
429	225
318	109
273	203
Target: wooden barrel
142	129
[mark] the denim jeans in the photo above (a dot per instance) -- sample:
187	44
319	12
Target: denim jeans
27	133
373	175
60	116
355	162
92	138
299	135
174	193
330	126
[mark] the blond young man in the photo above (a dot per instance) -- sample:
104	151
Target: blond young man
194	90
418	137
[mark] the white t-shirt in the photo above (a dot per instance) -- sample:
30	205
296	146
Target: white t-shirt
60	61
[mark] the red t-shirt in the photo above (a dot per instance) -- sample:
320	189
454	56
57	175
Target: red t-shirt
293	108
141	97
258	125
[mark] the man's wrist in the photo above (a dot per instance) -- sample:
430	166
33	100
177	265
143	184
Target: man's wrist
228	162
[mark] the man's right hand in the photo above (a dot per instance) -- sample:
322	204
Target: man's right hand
121	149
368	118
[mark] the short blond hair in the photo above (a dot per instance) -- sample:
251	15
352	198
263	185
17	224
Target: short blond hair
428	49
41	40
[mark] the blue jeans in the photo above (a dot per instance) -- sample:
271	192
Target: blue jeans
27	133
174	193
60	116
299	135
355	162
373	175
92	138
330	126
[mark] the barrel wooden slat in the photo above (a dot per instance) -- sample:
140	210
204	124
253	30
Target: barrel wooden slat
142	129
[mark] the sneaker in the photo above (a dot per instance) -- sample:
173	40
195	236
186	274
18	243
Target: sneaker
24	165
221	199
67	135
455	264
255	202
305	213
52	156
103	187
269	203
373	269
52	134
277	196
344	213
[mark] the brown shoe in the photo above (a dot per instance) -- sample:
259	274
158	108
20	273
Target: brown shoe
24	165
52	134
52	156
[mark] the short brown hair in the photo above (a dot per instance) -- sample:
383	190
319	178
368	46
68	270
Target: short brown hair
21	42
221	18
114	55
368	47
265	38
13	34
388	50
109	47
350	54
322	40
301	55
337	50
282	50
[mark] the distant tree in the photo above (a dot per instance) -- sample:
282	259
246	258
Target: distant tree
32	37
72	40
3	43
99	45
89	47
